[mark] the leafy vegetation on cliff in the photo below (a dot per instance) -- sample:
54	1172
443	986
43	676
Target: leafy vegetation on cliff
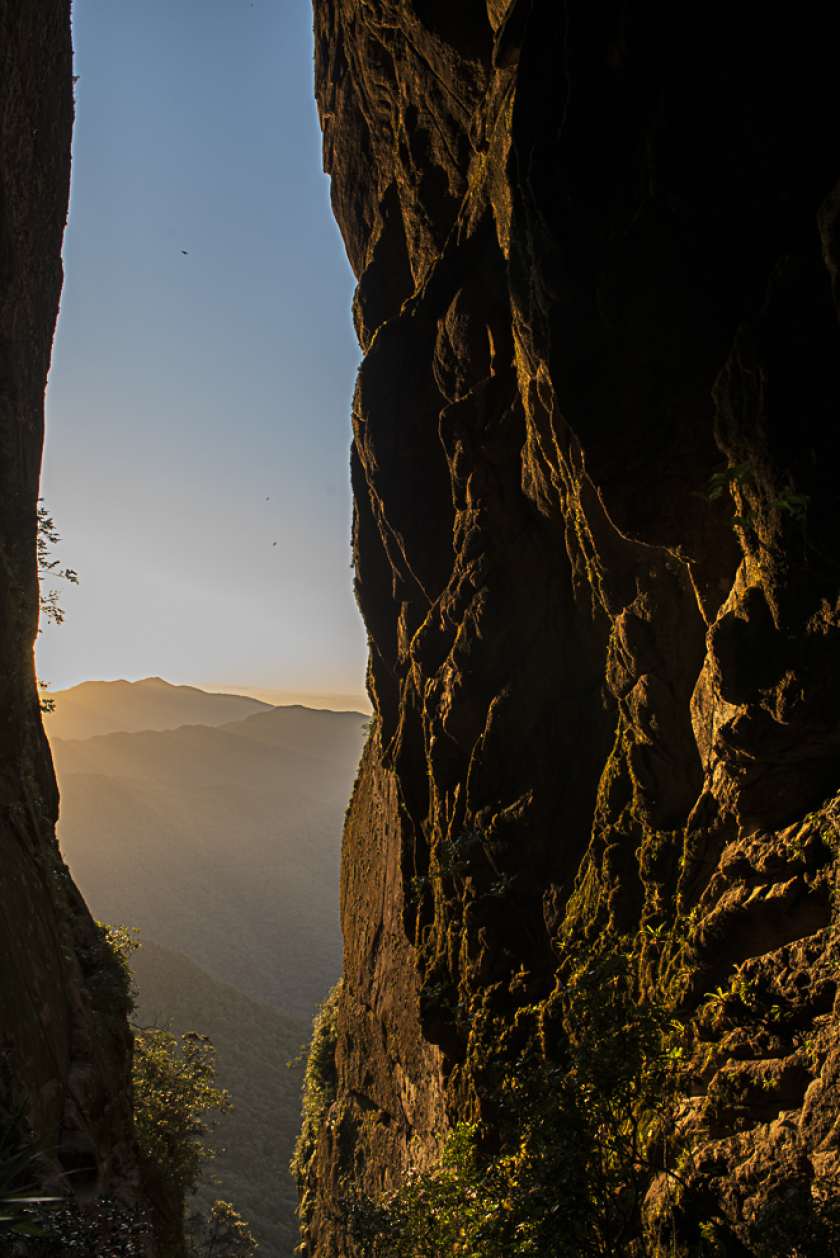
48	599
47	567
174	1095
588	1152
319	1092
585	1134
174	1092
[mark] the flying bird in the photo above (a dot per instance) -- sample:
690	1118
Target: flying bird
184	252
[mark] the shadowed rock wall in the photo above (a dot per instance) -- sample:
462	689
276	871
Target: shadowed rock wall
64	1040
597	253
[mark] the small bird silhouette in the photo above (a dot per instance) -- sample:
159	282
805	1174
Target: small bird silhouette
274	543
184	252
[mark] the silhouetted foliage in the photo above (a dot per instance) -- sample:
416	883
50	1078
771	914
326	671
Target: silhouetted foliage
47	567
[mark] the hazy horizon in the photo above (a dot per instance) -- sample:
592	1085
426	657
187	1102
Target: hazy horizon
326	699
212	687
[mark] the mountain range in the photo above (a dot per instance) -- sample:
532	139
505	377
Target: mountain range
104	707
222	842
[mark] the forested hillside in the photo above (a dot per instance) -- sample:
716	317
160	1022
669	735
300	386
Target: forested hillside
254	1044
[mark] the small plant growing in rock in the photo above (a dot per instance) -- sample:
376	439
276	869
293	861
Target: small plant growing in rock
319	1091
741	474
48	601
47	567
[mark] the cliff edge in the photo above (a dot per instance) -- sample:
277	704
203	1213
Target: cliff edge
65	1047
597	552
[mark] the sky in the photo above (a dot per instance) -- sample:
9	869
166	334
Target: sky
198	409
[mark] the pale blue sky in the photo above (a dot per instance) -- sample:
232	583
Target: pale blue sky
188	389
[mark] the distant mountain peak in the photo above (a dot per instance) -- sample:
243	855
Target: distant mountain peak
105	707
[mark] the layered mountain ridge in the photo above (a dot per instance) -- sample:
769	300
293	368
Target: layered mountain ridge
105	707
220	841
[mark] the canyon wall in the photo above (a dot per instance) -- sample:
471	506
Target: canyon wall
64	1038
597	253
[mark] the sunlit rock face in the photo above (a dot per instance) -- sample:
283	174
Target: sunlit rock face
597	256
64	1039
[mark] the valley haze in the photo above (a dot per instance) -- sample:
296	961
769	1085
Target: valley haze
213	823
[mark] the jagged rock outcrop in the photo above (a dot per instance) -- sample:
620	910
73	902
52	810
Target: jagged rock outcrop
64	1039
597	250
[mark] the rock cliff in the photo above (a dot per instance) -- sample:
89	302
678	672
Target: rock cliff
64	1039
597	552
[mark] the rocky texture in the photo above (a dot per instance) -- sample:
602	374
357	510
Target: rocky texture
64	1039
597	253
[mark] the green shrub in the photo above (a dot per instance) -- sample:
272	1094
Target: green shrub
320	1085
173	1093
109	979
